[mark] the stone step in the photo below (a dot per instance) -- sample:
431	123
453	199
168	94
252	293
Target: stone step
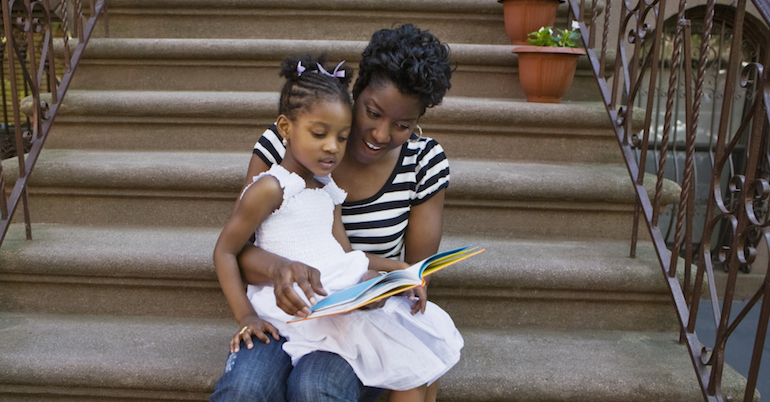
456	21
198	189
478	128
89	358
521	283
486	71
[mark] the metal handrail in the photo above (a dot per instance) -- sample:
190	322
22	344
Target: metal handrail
640	23
22	22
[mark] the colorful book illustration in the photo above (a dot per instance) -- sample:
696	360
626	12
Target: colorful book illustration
387	285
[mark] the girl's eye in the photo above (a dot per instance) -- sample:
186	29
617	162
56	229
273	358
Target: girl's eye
342	139
319	135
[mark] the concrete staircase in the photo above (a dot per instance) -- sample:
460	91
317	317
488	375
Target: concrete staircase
116	296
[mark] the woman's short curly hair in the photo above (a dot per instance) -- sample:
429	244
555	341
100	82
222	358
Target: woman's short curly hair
414	60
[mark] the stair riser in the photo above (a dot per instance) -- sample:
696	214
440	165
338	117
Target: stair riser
293	24
126	208
560	314
538	219
257	75
512	143
164	299
481	23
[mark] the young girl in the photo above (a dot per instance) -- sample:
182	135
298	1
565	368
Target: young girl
295	208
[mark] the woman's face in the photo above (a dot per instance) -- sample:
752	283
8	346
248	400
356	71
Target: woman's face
383	120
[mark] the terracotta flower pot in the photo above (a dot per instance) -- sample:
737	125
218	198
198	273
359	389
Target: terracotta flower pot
525	16
546	72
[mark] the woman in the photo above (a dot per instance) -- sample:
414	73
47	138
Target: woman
395	181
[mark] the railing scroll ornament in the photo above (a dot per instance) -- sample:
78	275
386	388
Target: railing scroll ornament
27	32
640	23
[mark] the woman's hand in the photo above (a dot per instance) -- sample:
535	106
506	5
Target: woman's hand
379	303
260	267
252	326
309	280
419	296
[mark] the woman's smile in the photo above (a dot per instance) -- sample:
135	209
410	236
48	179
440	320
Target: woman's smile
372	146
383	121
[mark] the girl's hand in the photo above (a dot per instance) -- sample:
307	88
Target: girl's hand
252	326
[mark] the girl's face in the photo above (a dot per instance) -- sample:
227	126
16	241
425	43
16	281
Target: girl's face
316	138
383	120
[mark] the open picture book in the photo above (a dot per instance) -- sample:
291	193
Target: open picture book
388	284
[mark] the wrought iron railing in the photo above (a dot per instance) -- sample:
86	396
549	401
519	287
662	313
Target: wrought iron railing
634	28
29	68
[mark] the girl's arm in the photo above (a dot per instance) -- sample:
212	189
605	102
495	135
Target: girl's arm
259	201
256	166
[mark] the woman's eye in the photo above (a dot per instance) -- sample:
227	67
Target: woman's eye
372	113
403	127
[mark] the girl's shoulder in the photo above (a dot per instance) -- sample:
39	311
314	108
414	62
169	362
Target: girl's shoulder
277	176
337	194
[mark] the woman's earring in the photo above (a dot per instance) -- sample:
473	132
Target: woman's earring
419	130
285	142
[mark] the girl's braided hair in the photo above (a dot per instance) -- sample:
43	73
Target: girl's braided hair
304	87
415	61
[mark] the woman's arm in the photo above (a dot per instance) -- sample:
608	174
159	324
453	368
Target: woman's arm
260	267
423	233
422	238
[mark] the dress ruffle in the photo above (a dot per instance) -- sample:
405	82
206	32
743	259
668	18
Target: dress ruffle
388	347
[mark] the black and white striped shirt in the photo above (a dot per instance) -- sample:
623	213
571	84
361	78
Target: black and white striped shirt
377	224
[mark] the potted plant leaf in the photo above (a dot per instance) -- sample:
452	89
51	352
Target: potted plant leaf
547	66
524	16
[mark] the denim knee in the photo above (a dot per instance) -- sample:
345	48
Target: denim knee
257	374
326	377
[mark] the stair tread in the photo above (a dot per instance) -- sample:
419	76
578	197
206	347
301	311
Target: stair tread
224	172
225	50
163	255
225	104
478	6
155	354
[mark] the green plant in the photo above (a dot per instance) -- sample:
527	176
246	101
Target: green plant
549	36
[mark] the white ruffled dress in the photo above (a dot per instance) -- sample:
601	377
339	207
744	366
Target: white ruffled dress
388	347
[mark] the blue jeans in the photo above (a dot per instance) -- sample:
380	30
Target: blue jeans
264	373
